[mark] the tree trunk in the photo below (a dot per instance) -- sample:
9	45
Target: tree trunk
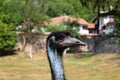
30	53
24	43
98	23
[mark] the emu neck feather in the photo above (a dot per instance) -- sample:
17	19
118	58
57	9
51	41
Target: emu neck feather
56	64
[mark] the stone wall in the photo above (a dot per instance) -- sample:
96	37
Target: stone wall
100	45
38	43
94	44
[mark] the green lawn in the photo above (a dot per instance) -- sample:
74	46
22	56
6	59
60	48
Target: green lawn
97	67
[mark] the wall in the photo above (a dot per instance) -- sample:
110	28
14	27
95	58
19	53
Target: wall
94	44
100	45
38	43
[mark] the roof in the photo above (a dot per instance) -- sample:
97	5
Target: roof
82	21
61	19
91	26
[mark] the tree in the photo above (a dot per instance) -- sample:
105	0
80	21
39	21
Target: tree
117	13
116	10
58	8
81	11
7	28
7	36
98	5
15	12
106	5
69	7
33	14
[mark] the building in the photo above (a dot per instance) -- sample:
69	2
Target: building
106	23
85	28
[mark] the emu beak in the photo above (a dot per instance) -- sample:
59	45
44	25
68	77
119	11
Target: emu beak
78	42
71	42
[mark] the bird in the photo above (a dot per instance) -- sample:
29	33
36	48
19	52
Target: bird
56	43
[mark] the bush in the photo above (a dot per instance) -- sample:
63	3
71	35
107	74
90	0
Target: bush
74	28
74	31
117	31
54	27
7	36
61	27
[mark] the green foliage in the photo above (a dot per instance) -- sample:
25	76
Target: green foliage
7	27
7	36
54	27
117	41
75	32
95	4
117	27
81	11
60	8
69	7
74	28
98	5
33	13
8	13
14	12
32	10
117	31
70	26
86	57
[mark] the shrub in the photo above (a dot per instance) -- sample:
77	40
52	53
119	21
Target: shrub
117	31
74	28
7	36
54	27
65	26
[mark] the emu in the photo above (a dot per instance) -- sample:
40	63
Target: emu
57	42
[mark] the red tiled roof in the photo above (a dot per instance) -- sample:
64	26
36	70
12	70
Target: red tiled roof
82	21
91	26
61	19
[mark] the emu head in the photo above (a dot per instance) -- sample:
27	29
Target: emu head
57	42
62	40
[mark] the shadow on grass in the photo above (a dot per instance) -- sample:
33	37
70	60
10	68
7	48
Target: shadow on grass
83	55
7	53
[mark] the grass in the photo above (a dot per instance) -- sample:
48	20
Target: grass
96	67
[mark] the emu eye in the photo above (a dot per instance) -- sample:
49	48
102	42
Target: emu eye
60	39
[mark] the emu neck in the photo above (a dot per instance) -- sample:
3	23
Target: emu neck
55	60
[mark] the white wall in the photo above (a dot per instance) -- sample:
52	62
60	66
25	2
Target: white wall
83	31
